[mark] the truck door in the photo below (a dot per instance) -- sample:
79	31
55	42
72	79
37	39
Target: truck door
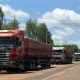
19	45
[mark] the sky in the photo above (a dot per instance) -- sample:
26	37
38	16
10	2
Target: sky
62	17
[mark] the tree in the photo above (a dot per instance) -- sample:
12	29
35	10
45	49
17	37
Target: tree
6	27
43	34
31	29
49	39
72	47
1	18
14	24
38	31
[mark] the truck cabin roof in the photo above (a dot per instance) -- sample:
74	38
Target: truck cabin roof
76	53
8	33
58	48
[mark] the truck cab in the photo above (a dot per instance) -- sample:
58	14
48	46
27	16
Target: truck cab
62	55
77	56
57	54
11	47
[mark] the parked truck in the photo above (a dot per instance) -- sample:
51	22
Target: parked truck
77	56
61	55
19	52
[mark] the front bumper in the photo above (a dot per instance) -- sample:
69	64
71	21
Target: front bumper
7	65
57	59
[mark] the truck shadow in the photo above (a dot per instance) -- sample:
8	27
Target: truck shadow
39	69
16	72
27	71
63	63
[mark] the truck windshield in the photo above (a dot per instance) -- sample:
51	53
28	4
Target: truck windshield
57	52
7	41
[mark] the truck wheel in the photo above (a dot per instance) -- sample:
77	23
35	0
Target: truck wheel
21	67
33	66
9	71
12	70
70	62
43	66
49	65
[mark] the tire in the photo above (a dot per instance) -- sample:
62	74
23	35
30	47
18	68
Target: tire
70	61
33	66
21	67
43	66
9	71
48	64
12	70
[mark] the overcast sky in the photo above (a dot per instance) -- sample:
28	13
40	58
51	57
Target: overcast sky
62	17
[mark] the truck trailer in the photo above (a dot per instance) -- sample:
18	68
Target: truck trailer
61	55
18	52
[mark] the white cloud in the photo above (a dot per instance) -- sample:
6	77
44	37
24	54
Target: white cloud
60	34
65	20
10	12
22	26
54	37
20	15
62	16
67	31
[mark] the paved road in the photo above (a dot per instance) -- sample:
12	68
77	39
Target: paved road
56	72
68	72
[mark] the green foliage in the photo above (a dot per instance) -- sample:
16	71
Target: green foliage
42	30
43	34
38	31
72	47
31	29
1	18
12	25
6	27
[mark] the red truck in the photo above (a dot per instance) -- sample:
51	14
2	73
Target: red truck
61	55
19	52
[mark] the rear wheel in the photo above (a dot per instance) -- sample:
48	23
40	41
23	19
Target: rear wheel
33	66
12	70
21	67
9	71
47	64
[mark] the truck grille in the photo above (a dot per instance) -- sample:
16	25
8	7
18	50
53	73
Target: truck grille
56	57
4	57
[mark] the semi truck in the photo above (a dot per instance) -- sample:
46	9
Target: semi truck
77	56
61	55
19	52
